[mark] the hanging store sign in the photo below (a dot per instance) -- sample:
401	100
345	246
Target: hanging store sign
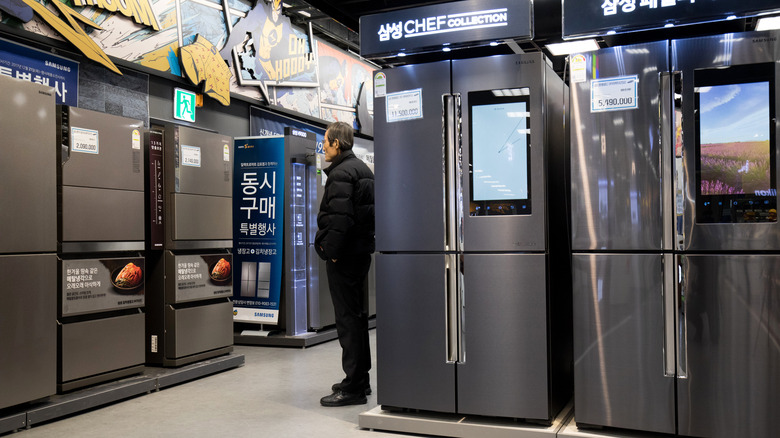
43	68
601	17
258	228
453	24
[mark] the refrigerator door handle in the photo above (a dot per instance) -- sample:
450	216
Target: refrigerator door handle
452	171
667	159
669	294
681	321
450	308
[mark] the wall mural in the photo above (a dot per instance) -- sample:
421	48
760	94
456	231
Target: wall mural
265	57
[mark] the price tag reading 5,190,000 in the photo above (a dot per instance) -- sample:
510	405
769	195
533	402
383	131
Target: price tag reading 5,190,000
404	105
613	94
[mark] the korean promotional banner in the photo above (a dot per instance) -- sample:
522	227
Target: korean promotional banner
43	68
258	228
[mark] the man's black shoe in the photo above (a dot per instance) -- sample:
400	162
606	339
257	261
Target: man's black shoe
337	387
341	398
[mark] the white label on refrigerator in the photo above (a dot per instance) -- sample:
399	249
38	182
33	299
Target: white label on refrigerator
380	84
579	66
136	139
84	140
226	153
613	94
190	156
404	105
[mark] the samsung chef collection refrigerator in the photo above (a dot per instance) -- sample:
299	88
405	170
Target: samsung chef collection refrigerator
675	236
28	243
473	298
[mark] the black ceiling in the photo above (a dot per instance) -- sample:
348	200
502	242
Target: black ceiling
338	22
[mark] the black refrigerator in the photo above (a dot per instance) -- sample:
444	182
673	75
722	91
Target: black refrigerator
472	274
675	236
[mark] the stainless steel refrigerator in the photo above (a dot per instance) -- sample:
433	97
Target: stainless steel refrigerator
675	236
473	299
28	243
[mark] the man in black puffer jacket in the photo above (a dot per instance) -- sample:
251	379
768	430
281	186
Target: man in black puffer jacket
345	240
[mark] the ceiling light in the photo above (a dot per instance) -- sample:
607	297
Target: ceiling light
493	43
401	54
669	25
572	47
446	49
305	14
768	23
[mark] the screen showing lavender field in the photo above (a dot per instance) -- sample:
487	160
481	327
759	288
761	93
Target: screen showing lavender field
734	139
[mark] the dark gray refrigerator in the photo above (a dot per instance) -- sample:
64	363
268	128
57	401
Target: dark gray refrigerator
675	236
472	272
28	243
101	233
190	286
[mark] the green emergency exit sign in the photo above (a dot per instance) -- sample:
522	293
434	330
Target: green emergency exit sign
184	105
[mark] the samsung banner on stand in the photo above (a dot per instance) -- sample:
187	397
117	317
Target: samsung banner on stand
258	230
601	17
428	28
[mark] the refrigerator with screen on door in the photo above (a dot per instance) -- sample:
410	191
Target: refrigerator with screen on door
472	275
675	236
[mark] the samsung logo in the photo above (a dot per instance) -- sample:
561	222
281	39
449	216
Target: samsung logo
532	61
764	40
44	93
297	133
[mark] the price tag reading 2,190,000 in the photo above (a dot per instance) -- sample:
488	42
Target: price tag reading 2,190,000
404	105
613	94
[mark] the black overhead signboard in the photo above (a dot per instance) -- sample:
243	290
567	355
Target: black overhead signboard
601	17
428	28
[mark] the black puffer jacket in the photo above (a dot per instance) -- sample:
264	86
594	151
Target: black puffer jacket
346	217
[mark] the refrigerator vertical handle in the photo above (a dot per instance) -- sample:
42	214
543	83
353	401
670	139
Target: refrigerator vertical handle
452	171
453	309
670	312
667	160
681	321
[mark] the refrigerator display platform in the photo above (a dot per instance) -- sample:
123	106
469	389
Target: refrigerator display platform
454	425
153	379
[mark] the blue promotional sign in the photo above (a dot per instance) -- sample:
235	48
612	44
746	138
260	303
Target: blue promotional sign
258	228
43	68
262	122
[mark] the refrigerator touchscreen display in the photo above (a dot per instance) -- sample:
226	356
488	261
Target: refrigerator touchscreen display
499	148
735	145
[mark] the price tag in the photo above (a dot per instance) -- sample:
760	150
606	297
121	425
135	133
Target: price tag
84	140
404	105
190	156
613	94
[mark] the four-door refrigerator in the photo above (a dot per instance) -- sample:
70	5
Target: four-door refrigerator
190	286
473	299
675	236
101	235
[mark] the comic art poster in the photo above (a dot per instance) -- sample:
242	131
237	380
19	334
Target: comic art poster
266	49
340	76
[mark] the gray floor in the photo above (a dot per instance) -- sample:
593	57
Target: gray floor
275	394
